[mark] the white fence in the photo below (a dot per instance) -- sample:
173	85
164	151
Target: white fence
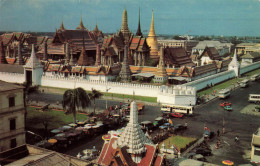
12	77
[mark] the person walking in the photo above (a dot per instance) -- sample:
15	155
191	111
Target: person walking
218	132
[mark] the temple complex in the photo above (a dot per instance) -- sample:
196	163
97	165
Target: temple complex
133	147
152	41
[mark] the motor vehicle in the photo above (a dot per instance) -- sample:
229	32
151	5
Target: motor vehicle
176	115
225	104
147	125
166	125
203	151
228	108
158	121
179	127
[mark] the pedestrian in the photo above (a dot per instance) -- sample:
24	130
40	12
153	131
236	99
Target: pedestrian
236	139
218	133
186	125
120	105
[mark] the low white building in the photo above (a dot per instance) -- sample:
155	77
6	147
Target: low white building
223	48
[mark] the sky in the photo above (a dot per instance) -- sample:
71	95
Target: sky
172	17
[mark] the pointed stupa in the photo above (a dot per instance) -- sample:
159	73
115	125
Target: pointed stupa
124	28
81	26
67	53
72	61
19	60
234	64
83	58
133	137
152	41
2	54
139	32
45	52
33	61
98	56
96	28
161	71
61	26
125	72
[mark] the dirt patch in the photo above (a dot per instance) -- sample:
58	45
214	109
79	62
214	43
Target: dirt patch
250	109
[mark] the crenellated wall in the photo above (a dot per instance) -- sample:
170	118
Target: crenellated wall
220	77
12	77
179	94
114	87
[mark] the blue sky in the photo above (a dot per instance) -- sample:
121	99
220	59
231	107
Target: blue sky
193	17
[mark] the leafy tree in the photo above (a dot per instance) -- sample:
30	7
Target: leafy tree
45	119
95	95
73	99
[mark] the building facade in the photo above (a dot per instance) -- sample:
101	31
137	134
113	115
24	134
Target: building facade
12	116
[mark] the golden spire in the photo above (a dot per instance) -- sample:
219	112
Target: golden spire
62	26
96	28
152	31
152	41
81	26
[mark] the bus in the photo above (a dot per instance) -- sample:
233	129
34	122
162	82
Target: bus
224	93
244	83
168	108
254	98
255	77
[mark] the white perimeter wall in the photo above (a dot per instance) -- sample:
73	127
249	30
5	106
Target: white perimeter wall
115	87
12	77
220	77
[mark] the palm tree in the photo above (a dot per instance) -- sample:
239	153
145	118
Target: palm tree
73	99
95	95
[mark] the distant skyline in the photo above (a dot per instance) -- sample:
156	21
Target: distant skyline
192	17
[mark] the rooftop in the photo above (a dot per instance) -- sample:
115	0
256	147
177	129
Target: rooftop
5	86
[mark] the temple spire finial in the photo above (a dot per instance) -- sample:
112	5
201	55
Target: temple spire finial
62	25
81	26
124	28
139	32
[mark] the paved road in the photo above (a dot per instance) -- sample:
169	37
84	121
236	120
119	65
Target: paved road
209	114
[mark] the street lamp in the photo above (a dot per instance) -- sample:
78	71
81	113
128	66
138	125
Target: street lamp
107	89
34	134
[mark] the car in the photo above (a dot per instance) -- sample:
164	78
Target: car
158	121
166	125
203	151
225	104
179	127
228	108
147	125
176	115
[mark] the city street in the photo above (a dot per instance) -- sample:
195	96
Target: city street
209	114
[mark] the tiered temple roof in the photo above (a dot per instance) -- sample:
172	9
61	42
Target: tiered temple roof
177	57
211	52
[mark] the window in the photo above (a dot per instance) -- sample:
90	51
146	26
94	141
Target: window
12	124
11	101
13	143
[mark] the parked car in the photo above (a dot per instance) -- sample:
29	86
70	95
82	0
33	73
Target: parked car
225	104
166	125
147	125
203	151
228	108
176	115
179	127
158	121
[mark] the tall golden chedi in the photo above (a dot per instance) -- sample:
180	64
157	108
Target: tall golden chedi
124	28
152	42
